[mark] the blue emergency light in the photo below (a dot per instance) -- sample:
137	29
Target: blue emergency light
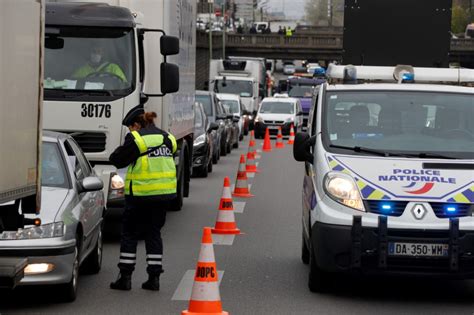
451	209
319	72
386	207
408	78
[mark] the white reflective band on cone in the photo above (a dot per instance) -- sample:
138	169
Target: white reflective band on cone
151	262
128	255
225	216
207	253
205	291
242	183
242	167
126	261
154	256
227	193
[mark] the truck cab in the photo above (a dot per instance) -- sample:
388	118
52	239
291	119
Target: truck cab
389	168
101	60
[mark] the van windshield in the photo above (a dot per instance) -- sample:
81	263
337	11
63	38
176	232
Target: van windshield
401	122
239	87
301	91
233	105
277	108
88	59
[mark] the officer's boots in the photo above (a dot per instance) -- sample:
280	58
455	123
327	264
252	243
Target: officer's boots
153	283
124	283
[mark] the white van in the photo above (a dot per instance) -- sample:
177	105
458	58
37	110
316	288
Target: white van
389	180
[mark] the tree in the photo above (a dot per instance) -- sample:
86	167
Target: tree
459	20
317	12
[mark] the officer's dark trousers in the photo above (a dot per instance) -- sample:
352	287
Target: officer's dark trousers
142	218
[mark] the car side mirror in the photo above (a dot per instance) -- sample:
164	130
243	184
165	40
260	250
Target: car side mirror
169	45
300	113
302	147
230	116
169	78
212	126
236	119
91	183
221	117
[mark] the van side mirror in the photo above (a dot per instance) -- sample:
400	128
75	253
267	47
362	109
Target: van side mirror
300	113
169	78
169	45
302	147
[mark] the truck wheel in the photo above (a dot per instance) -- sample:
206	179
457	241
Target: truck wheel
177	203
318	279
93	262
304	251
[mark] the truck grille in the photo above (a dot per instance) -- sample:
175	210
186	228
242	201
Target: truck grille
90	142
439	208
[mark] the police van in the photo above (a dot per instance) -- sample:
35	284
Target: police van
389	173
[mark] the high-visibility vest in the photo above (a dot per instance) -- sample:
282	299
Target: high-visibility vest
107	67
154	172
289	32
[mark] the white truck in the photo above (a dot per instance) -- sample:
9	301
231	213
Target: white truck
102	59
20	119
237	74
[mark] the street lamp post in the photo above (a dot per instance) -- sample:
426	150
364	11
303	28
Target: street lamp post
210	3
224	29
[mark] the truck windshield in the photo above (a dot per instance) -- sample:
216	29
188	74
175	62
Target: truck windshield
301	91
239	87
277	108
89	59
401	122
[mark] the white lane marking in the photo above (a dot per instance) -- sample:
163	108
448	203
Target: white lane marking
185	287
221	239
239	206
250	175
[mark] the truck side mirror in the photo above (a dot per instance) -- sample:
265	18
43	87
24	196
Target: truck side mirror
302	147
169	78
169	45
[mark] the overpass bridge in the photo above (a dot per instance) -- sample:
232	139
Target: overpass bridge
324	47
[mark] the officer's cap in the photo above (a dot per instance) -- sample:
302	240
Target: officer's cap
132	115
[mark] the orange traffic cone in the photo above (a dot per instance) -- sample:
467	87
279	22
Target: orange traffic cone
251	166
279	141
267	145
225	223
291	140
205	296
252	146
241	187
252	139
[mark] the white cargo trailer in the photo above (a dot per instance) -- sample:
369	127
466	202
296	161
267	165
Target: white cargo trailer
21	42
127	34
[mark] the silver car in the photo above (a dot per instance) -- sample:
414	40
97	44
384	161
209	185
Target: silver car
72	210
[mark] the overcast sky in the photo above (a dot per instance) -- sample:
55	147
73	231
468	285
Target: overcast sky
292	8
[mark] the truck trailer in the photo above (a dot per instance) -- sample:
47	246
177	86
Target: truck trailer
20	121
126	38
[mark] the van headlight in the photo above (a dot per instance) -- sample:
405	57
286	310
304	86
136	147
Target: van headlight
258	119
290	119
50	230
200	140
343	189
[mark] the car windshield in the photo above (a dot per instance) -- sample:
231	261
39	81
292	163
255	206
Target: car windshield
205	100
401	122
277	108
238	87
88	59
198	119
53	172
301	91
233	105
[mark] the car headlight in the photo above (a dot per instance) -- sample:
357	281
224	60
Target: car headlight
343	189
258	119
116	188
200	140
250	117
50	230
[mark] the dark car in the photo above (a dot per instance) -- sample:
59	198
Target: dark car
215	113
202	146
234	130
209	103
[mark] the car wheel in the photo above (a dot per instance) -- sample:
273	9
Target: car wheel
241	137
204	172
68	291
246	131
93	262
215	158
304	251
318	279
223	149
229	147
209	166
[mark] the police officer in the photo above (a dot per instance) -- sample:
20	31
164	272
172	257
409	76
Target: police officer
150	184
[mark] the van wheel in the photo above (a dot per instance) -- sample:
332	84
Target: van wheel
318	279
304	251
